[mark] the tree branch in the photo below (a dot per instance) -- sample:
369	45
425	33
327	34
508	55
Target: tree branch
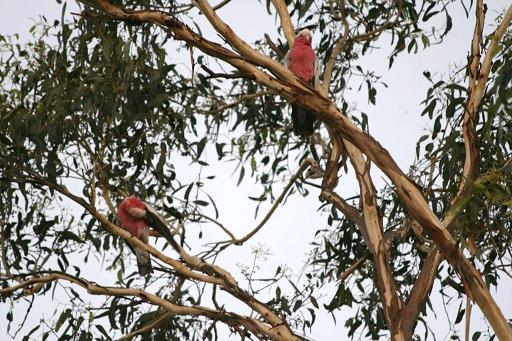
148	327
338	47
160	319
372	232
3	251
286	21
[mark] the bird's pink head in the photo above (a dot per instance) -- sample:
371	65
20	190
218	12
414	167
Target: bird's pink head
130	212
304	37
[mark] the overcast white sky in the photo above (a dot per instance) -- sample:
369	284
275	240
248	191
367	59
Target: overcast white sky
394	122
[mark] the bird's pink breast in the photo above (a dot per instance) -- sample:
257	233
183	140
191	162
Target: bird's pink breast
302	61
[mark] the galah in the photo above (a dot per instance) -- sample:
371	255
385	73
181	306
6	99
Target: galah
302	61
136	216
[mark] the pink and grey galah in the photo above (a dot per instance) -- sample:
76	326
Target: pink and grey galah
302	61
136	216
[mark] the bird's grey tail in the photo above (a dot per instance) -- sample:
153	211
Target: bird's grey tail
143	262
303	121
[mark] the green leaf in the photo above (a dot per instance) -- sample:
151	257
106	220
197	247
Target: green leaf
200	146
62	318
460	315
297	305
241	176
102	330
314	302
68	235
425	41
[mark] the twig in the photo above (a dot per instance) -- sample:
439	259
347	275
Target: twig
3	251
223	228
274	47
469	307
240	241
234	75
344	275
390	236
238	101
221	4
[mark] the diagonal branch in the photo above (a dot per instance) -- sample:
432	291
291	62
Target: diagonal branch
368	221
278	201
425	281
148	327
160	319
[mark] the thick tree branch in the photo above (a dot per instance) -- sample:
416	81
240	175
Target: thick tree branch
373	234
467	330
474	99
240	45
341	205
3	251
425	281
370	224
286	21
330	180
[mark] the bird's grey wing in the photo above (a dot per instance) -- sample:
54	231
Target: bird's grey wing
156	221
286	61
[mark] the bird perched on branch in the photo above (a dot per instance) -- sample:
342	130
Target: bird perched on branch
137	216
302	61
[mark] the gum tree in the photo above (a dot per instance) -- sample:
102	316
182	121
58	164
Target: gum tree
106	111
